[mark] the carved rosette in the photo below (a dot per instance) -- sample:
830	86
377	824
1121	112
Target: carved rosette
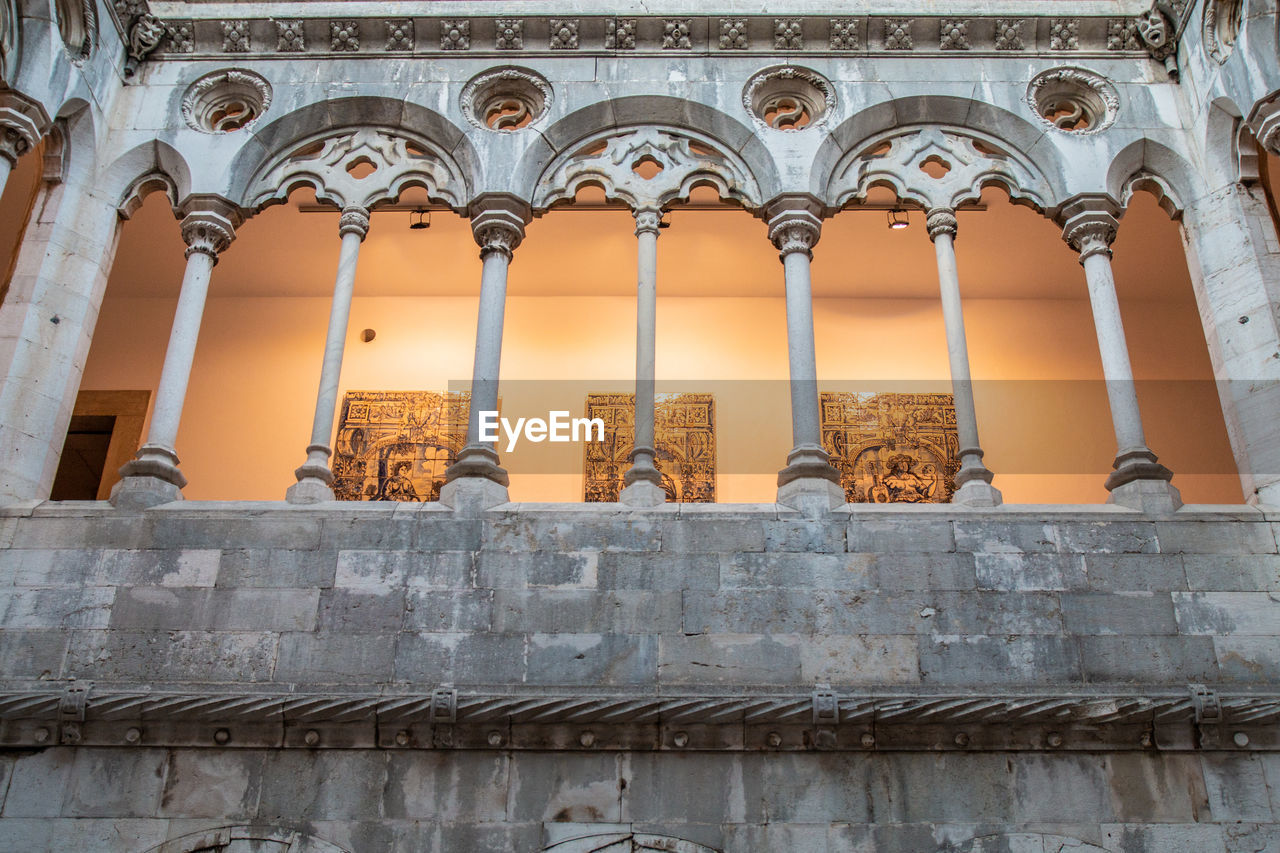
795	231
788	98
226	101
207	233
941	220
354	220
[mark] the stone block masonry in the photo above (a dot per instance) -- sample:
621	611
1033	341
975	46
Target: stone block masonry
740	678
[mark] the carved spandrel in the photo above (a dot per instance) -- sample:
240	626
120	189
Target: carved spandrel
892	448
396	445
684	427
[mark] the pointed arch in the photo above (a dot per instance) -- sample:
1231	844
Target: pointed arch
146	168
1145	164
247	839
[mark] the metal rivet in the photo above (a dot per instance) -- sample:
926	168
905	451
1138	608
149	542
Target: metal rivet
132	736
773	739
1240	739
867	740
962	739
495	738
42	735
402	738
1146	739
221	736
311	738
1054	740
587	738
681	739
1243	319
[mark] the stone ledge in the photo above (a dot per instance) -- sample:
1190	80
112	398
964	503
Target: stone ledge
1198	718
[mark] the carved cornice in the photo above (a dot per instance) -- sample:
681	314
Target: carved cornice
610	35
1194	717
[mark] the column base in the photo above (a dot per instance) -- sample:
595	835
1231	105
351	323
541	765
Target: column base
1267	496
811	495
808	462
977	493
309	490
473	494
643	493
476	461
1140	482
150	479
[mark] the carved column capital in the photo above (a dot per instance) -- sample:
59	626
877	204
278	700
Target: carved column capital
941	220
497	223
22	123
648	220
1089	224
795	231
1266	125
207	232
354	220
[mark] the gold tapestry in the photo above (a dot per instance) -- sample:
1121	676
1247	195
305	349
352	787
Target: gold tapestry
892	448
685	435
396	445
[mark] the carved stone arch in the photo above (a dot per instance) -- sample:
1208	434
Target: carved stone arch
334	165
77	22
151	167
626	842
905	160
269	144
1147	165
612	160
721	131
1009	131
247	839
1021	842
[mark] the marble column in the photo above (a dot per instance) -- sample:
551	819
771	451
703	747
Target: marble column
152	476
973	480
22	123
809	481
642	484
315	479
476	480
1139	481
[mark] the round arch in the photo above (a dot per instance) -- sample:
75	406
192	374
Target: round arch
247	839
1010	131
275	141
718	129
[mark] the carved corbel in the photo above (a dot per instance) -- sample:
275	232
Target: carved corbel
145	33
23	122
1159	28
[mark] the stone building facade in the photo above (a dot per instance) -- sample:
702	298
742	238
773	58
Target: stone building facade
476	674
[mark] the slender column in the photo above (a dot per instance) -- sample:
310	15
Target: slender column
22	123
152	476
476	480
973	480
1139	481
643	482
315	479
808	479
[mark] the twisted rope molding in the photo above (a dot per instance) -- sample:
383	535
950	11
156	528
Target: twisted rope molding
447	706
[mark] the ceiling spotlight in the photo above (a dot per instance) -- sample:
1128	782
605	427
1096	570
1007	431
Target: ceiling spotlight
896	223
419	219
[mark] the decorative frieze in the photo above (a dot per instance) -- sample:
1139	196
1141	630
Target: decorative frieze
1097	36
821	718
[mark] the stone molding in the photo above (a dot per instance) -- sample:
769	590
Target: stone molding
1195	718
710	34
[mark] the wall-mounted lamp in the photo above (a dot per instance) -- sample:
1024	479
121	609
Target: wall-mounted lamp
419	219
663	223
898	220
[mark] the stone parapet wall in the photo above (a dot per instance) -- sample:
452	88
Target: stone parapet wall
746	678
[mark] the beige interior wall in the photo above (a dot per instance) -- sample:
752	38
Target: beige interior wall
1042	408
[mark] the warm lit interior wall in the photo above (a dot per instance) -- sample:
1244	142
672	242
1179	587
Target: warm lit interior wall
1047	434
